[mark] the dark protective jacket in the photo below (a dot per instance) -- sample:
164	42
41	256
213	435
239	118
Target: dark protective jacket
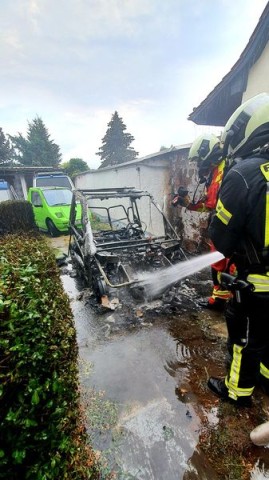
241	222
241	227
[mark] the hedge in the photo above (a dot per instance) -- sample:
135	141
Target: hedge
16	216
42	435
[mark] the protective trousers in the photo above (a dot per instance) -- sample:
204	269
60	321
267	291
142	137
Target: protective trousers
248	333
219	293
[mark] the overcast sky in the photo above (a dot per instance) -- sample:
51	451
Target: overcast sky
74	62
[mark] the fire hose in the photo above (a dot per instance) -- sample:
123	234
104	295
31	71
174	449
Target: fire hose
235	285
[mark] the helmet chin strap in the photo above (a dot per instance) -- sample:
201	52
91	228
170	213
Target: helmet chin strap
194	194
229	135
201	180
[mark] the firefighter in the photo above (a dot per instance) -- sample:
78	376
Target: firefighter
207	152
240	228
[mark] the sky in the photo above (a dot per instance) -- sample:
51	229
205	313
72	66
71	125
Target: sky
75	62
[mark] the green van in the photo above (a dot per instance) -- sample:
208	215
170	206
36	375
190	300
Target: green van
51	206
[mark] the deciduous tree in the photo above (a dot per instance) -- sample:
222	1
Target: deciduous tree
75	166
116	144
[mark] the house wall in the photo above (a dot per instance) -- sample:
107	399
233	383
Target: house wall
190	226
258	78
161	177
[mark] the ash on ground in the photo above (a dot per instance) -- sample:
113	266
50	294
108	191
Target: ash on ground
127	310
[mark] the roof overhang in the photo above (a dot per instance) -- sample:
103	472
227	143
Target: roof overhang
220	104
32	170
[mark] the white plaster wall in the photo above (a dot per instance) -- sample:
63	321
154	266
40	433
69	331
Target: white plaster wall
160	178
258	78
152	177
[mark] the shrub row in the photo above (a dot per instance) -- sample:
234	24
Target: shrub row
41	428
16	216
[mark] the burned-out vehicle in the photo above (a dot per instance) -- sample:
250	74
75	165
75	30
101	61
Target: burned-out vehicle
113	245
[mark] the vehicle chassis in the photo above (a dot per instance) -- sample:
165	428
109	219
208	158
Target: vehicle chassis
108	259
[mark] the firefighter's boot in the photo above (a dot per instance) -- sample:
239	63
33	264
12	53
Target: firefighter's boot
218	387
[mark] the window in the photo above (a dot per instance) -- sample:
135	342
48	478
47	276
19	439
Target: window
58	197
36	199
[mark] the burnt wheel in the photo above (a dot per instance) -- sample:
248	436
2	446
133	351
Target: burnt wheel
100	288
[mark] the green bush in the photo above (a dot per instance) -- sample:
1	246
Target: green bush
41	429
16	216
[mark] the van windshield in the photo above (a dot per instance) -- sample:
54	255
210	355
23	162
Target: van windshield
58	197
56	181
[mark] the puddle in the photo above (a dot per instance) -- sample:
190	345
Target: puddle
158	434
150	413
155	435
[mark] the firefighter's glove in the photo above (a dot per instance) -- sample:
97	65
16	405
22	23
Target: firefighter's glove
182	198
234	283
182	201
182	191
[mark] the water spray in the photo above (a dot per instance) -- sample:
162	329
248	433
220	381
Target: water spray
156	283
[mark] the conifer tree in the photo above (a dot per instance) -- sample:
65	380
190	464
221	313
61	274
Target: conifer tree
116	144
6	150
36	149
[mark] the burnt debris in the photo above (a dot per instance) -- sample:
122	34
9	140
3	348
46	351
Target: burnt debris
110	244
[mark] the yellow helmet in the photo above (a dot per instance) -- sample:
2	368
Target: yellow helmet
203	147
248	127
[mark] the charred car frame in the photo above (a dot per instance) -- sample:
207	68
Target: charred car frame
113	243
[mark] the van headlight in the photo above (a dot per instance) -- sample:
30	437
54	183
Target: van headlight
59	214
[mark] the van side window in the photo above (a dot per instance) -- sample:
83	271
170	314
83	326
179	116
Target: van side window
36	199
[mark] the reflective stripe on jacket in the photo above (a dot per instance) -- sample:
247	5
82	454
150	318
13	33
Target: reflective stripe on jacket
260	282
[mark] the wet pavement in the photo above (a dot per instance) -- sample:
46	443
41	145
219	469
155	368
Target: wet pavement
143	375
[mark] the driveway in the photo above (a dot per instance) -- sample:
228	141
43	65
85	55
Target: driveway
143	371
